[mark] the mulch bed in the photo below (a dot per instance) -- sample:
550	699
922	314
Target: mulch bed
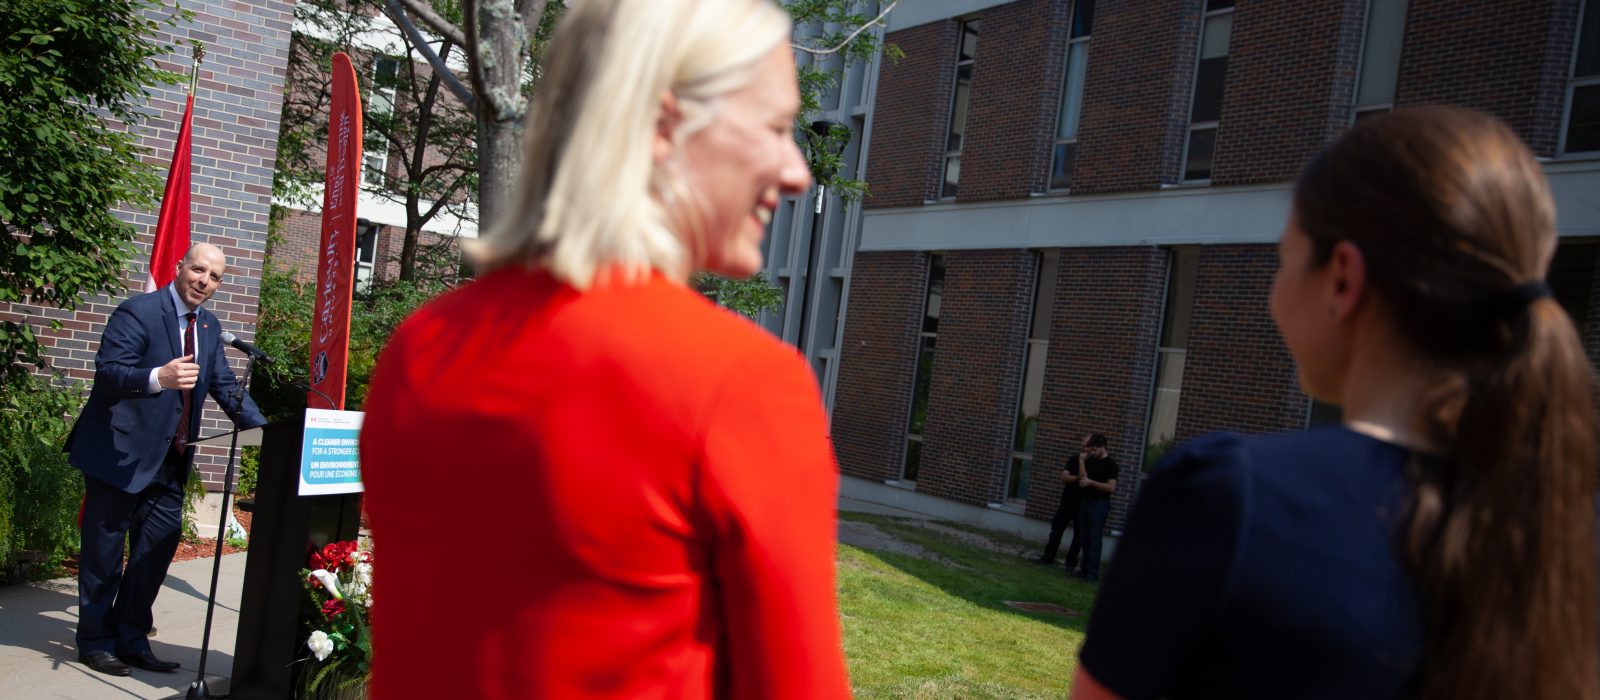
198	549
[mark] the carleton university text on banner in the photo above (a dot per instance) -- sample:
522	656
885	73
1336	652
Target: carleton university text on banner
330	454
330	325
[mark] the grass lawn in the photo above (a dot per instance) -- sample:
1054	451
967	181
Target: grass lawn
918	628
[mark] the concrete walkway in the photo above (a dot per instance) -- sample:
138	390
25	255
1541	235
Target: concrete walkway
852	505
37	623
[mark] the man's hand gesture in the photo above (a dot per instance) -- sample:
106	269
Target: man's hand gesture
181	373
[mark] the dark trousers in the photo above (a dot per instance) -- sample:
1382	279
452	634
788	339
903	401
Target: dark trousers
1092	514
114	603
1066	516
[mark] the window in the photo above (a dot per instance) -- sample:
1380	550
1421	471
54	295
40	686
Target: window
1582	133
1571	278
380	105
924	380
1205	108
966	56
1162	429
1380	57
1065	153
1038	346
366	254
1323	414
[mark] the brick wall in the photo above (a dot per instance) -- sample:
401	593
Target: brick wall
1290	85
235	135
1016	88
1136	94
977	374
1238	375
1511	59
295	246
1103	335
877	363
911	116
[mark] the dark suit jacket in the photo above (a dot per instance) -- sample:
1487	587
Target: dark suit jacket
123	432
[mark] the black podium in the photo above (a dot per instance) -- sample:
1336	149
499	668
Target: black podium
284	528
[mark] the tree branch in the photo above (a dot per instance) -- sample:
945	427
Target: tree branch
532	14
425	113
475	68
853	35
462	93
443	200
438	24
442	167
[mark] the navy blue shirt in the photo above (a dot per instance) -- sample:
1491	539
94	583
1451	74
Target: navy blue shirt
1263	567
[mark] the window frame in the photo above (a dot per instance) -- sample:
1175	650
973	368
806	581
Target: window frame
366	232
1194	89
1061	106
1358	110
936	261
1043	260
970	63
1574	82
376	174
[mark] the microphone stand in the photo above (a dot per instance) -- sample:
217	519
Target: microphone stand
198	689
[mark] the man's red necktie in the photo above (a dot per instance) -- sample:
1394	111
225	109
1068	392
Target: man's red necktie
181	439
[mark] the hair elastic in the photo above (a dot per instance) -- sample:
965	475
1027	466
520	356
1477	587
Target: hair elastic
1526	293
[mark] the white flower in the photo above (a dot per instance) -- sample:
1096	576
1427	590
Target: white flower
321	645
360	582
328	582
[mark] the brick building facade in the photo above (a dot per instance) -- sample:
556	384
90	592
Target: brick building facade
1153	180
235	133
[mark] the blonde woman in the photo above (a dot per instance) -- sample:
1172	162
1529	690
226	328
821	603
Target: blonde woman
590	481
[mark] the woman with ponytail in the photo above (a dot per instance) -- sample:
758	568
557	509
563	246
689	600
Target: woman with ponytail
1440	543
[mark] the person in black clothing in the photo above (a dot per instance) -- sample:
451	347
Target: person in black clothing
1096	482
1067	510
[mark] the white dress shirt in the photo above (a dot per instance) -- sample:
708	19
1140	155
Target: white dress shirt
182	310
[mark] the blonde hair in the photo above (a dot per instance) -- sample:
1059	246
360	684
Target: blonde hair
591	194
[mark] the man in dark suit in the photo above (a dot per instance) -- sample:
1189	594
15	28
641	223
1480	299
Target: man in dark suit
160	355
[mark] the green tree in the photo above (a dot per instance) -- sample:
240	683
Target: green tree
429	140
284	323
72	74
502	41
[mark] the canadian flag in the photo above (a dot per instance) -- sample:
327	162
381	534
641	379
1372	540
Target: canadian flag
172	226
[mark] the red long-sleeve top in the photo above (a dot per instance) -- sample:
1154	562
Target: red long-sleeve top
620	493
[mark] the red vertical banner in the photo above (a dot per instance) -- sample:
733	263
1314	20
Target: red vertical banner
330	327
172	226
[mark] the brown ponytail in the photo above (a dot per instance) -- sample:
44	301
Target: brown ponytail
1454	219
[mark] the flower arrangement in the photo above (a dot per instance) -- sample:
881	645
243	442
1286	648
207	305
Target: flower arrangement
338	578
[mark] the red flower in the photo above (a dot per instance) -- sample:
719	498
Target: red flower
333	608
333	557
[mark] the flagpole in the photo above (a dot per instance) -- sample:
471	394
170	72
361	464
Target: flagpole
199	57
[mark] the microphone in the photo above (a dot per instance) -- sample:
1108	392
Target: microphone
245	347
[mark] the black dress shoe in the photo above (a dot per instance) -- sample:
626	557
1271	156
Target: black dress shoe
104	662
148	662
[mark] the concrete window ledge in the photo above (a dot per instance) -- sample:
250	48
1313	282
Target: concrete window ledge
1013	508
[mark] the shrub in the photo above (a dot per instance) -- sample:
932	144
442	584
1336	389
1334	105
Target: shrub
39	491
